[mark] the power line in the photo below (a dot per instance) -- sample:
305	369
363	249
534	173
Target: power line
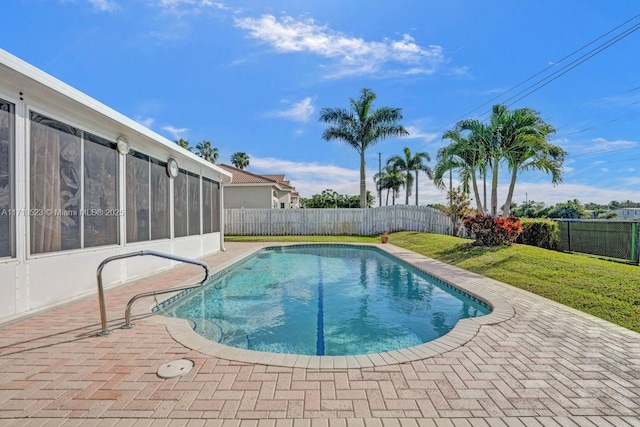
596	126
593	153
577	62
549	67
603	124
565	69
619	160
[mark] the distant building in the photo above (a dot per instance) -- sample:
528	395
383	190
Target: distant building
627	213
250	190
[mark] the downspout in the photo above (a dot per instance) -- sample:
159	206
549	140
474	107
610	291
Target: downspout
222	248
221	207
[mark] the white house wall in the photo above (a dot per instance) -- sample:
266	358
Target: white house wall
33	282
248	197
285	198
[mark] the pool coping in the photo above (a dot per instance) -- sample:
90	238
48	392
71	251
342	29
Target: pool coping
462	332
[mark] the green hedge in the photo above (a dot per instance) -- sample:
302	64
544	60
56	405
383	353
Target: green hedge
543	233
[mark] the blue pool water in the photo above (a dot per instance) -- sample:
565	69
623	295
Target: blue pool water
323	300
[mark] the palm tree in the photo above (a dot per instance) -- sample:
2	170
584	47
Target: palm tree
519	138
184	144
207	152
396	180
240	160
465	155
411	163
361	127
390	179
529	149
381	184
486	139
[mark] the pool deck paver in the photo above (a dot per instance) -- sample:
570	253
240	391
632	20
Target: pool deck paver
543	365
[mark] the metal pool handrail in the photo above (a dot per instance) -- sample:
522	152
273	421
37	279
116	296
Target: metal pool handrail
127	313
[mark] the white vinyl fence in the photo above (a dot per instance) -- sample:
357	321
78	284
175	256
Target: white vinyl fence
362	222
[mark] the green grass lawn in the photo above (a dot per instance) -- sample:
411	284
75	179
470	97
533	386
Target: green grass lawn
605	289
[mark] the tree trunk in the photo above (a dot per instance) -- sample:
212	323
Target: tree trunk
387	202
484	188
417	187
363	182
494	190
476	194
406	185
512	185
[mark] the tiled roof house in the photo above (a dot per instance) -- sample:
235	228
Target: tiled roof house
250	190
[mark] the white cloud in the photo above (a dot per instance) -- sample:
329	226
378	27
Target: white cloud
148	122
598	145
352	55
311	178
546	192
105	5
460	72
493	91
626	99
632	182
299	112
416	133
181	7
177	133
536	191
169	34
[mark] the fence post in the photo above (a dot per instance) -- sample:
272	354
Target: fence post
634	243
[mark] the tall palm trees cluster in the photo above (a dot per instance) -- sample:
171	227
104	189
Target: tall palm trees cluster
517	139
205	150
403	171
361	127
240	160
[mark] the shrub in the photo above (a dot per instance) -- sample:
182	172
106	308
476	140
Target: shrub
458	209
490	231
543	233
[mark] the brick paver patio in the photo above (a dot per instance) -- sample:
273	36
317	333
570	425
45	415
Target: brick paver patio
548	365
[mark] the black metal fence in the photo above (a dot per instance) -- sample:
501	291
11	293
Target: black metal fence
613	239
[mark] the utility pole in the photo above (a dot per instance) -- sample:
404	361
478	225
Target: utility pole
379	178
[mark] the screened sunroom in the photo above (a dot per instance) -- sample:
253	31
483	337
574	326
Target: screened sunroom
80	182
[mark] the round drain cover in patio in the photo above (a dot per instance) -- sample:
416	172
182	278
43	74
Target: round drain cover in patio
175	368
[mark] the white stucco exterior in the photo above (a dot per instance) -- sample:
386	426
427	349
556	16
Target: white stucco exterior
33	282
253	191
248	196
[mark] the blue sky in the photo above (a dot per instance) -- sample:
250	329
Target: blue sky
253	76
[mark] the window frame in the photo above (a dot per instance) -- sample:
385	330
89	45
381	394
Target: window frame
156	161
215	207
13	182
189	174
45	112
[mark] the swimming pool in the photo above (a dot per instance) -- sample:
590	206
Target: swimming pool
323	300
